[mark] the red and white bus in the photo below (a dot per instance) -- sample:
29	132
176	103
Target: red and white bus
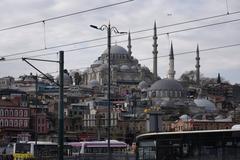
87	147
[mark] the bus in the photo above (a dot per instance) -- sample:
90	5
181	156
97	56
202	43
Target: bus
96	147
189	145
31	149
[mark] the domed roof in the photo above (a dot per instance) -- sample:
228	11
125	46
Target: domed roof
124	67
103	66
208	105
93	83
67	79
115	49
98	62
167	84
185	117
142	85
133	67
145	68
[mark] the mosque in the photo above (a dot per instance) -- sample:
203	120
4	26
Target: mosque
127	73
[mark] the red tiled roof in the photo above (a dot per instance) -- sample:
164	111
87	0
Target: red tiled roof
8	103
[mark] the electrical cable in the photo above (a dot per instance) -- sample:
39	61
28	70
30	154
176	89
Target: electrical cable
175	54
63	16
138	38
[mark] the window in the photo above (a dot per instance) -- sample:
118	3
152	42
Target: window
25	113
20	123
15	123
1	112
10	123
1	123
11	113
6	112
6	123
176	94
25	123
153	94
16	114
21	113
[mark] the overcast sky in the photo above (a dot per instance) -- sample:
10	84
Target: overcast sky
133	16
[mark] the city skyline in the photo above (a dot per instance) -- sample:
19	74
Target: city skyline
132	16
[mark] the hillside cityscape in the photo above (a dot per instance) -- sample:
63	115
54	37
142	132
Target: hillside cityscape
141	101
119	80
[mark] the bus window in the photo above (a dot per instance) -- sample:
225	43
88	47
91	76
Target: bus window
22	148
147	150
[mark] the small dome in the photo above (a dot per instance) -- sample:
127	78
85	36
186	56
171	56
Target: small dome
103	67
124	67
143	85
98	62
67	79
93	83
133	67
116	50
185	117
167	84
206	104
145	68
236	127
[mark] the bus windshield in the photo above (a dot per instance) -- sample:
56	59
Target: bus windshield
22	148
192	145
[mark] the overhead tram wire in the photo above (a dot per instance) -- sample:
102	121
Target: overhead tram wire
167	55
138	38
200	50
63	16
186	22
101	38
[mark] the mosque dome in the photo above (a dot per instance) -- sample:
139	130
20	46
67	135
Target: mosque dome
206	104
133	67
167	84
115	49
93	83
124	67
185	117
143	85
67	79
103	66
98	62
145	68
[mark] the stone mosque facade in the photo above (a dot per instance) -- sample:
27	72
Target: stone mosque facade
125	69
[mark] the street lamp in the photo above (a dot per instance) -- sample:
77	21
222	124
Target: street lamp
109	30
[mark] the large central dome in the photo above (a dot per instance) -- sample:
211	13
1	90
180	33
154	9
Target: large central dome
167	84
115	49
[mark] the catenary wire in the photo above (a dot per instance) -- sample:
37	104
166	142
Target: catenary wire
63	16
166	55
138	38
175	54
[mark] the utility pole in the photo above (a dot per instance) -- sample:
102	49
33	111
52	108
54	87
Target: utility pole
109	31
61	108
60	104
36	107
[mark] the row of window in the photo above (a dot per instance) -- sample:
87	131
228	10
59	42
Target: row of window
165	93
13	113
13	123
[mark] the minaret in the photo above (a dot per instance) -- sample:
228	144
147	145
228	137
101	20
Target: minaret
171	72
155	52
129	46
219	79
197	67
